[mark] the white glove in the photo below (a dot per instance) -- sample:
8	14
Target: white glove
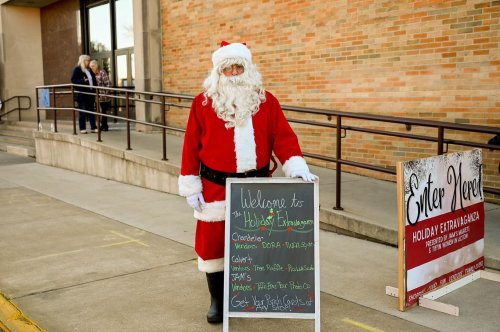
196	201
305	175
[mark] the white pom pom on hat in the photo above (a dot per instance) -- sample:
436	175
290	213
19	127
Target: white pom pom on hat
231	50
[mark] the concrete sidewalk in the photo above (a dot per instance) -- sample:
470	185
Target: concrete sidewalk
84	253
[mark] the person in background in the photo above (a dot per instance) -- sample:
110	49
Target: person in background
233	128
104	101
84	76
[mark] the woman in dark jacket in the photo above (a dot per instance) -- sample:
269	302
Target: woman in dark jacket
84	76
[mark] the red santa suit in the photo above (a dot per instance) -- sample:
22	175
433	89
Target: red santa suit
233	150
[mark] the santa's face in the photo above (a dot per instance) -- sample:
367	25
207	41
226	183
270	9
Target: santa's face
233	70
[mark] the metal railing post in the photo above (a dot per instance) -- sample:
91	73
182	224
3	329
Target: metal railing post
37	109
338	170
440	140
98	114
55	110
164	130
127	116
74	110
19	107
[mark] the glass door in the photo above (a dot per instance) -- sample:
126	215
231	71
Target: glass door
125	78
125	75
124	24
110	28
124	52
100	40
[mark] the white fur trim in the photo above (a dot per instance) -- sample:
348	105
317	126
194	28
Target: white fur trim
295	163
215	211
245	148
189	185
211	265
234	50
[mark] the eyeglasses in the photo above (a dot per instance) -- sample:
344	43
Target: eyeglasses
238	68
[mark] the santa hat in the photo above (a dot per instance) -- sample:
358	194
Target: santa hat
234	50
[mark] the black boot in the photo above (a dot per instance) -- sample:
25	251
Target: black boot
216	288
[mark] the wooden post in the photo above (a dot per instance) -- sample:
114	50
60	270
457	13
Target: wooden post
401	237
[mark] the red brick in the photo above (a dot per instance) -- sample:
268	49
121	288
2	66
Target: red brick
427	59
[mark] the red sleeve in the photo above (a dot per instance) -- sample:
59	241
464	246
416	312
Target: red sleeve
192	141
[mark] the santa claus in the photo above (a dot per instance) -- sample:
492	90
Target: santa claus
233	128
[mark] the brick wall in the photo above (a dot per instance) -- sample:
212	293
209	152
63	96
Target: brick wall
425	59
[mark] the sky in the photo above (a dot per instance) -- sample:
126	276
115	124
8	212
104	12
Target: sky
99	22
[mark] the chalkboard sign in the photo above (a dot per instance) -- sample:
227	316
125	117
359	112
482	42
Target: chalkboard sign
272	249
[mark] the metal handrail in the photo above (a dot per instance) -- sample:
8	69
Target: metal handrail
18	108
400	120
147	97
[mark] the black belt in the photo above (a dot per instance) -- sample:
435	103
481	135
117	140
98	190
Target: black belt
220	177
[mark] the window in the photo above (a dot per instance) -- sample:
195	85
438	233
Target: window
110	30
124	24
100	29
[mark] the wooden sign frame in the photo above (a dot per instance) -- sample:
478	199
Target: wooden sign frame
227	253
401	294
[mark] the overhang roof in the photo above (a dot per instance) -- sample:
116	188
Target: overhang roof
30	3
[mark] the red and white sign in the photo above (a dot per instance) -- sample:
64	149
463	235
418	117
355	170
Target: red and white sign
442	220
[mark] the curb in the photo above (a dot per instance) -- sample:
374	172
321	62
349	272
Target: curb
12	319
346	223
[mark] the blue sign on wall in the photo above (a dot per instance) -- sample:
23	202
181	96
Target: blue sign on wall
44	97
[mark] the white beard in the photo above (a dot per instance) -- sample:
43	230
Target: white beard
235	100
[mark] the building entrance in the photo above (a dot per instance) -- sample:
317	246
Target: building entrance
109	28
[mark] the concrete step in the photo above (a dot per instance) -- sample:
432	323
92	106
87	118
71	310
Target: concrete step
28	141
12	127
24	129
15	132
30	125
18	139
18	149
21	124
